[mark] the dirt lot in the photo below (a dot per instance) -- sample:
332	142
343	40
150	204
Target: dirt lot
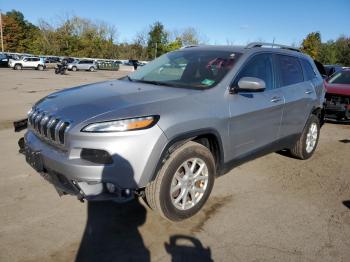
271	209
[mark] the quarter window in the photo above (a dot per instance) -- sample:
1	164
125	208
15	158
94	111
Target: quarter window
309	71
289	70
259	66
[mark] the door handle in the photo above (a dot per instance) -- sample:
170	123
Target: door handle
308	91
276	99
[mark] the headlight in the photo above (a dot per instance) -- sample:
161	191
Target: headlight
122	125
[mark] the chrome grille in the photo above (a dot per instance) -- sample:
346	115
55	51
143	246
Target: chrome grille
48	127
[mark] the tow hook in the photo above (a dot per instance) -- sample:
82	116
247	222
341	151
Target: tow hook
20	125
21	145
81	198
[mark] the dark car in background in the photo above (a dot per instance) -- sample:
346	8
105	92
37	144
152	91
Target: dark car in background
4	59
331	69
338	96
52	62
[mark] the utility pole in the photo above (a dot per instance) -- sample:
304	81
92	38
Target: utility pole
2	40
155	52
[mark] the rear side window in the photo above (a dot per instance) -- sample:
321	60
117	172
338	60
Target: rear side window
308	70
259	66
289	70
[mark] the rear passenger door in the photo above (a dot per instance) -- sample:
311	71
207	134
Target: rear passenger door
255	117
82	65
297	91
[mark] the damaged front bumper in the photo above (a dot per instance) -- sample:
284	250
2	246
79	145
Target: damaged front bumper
338	112
72	172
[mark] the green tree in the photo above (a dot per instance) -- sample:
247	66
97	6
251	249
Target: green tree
311	45
174	45
18	33
328	53
342	46
157	41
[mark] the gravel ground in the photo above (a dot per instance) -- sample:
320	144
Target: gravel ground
274	208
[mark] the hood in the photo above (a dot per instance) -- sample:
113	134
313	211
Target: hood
82	103
339	89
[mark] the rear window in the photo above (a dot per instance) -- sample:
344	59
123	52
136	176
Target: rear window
289	70
342	77
308	70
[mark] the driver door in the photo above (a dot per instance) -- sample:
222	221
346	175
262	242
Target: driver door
255	117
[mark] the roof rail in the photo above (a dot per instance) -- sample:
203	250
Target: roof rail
189	46
272	45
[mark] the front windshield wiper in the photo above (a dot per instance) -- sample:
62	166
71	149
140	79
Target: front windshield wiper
155	82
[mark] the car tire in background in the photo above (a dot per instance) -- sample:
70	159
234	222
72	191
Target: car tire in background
92	69
17	67
307	142
40	68
184	182
74	68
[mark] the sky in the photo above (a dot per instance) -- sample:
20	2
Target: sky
219	22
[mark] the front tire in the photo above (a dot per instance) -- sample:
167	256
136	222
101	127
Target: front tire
40	68
184	182
307	143
92	69
18	67
74	68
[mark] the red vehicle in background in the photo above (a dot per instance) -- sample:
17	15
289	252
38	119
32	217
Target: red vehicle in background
338	96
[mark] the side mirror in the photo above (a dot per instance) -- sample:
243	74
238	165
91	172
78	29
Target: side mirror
250	84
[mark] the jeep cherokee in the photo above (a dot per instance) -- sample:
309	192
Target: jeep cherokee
167	130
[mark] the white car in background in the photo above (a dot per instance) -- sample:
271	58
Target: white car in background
27	62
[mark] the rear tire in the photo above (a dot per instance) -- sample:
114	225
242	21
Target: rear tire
92	69
40	68
184	182
307	142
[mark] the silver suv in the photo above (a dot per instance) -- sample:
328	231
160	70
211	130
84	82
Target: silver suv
88	65
166	131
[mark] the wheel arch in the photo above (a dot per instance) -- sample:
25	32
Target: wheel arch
210	138
320	113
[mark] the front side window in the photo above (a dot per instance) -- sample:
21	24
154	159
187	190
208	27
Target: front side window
260	66
187	68
289	70
342	77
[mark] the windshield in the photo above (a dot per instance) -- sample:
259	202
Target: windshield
192	69
342	77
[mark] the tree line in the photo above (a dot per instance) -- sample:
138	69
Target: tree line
81	37
331	52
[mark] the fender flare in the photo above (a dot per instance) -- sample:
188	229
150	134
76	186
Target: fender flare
183	138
